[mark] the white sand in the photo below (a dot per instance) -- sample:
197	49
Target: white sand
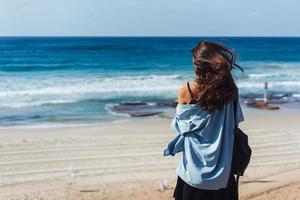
125	161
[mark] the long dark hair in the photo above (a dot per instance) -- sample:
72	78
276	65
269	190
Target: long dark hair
213	63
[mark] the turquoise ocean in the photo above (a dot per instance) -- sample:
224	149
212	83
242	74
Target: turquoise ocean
83	80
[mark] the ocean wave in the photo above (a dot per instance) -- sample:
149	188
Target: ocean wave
292	85
271	71
274	75
33	92
27	91
271	64
85	85
35	103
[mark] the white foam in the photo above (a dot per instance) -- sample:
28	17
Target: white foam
271	64
25	91
275	85
274	75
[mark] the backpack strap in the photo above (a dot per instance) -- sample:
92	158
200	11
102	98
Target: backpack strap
235	103
234	111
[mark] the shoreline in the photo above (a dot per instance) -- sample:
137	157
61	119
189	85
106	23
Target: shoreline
250	111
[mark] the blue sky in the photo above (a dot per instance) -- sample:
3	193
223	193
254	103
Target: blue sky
149	18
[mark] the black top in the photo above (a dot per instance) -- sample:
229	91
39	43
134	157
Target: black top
193	101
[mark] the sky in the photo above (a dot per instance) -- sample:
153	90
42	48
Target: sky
149	18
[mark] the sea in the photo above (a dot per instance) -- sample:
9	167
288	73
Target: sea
84	80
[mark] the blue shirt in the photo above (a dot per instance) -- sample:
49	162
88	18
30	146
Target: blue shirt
206	142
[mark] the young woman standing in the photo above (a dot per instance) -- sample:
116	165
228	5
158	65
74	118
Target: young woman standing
207	113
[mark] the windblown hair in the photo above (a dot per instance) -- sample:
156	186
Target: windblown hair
213	63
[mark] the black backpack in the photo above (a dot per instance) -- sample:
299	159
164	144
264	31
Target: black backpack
241	151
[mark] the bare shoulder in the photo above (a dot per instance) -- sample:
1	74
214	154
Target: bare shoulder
182	94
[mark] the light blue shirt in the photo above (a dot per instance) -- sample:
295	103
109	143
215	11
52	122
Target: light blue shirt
206	142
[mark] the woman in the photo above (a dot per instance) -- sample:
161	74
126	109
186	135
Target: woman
206	115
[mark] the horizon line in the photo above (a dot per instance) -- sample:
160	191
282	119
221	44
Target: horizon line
147	36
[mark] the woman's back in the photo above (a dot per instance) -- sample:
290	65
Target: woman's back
206	139
204	123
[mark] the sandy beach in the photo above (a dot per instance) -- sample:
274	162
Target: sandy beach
124	160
